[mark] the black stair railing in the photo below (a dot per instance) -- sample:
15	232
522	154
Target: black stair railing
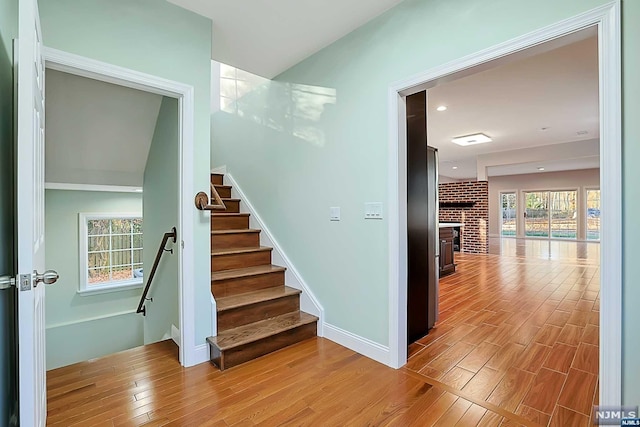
173	234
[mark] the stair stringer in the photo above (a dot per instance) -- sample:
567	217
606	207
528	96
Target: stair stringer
308	301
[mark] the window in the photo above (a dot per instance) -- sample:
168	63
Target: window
593	214
110	252
551	214
508	203
536	220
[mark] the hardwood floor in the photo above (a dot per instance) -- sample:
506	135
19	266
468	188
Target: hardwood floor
316	382
516	344
520	333
565	250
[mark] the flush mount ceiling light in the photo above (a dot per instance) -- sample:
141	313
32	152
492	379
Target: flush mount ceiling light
540	168
442	108
455	167
476	138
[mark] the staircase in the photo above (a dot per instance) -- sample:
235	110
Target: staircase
257	313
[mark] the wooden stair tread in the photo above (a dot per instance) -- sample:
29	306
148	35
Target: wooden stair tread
214	213
234	251
225	199
244	272
246	334
236	231
221	186
235	301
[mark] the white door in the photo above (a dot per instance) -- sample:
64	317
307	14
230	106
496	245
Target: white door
30	218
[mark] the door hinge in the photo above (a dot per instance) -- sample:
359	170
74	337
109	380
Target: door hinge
6	282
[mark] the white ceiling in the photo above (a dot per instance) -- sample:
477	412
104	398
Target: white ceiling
96	132
266	37
511	103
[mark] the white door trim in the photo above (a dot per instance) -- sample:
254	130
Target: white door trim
607	20
86	67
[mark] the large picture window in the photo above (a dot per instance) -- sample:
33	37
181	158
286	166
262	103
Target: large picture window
110	252
551	214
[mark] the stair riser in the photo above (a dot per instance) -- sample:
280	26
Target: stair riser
229	222
249	259
235	240
229	319
217	179
236	356
224	192
233	206
224	288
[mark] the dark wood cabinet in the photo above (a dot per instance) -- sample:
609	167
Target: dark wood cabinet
447	263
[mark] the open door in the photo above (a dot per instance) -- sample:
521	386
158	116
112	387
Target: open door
30	218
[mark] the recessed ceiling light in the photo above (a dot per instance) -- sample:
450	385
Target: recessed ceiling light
455	167
546	128
442	108
540	168
476	138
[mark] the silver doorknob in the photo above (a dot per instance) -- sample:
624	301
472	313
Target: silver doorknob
49	277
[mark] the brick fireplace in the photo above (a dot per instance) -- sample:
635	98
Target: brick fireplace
467	202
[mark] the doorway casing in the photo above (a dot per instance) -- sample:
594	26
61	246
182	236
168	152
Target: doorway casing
606	19
189	353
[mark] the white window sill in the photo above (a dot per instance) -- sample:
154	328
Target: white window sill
104	289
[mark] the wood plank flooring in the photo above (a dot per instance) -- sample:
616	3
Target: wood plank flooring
516	344
520	333
316	382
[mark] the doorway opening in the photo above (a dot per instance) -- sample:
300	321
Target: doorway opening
111	167
609	183
171	147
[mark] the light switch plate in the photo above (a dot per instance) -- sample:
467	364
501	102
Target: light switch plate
373	210
334	213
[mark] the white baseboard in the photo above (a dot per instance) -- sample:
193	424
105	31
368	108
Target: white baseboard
214	317
200	354
308	302
364	346
175	335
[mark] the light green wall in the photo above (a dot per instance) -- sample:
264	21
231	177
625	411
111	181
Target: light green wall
158	38
631	198
295	155
295	152
8	30
62	207
67	312
160	210
76	342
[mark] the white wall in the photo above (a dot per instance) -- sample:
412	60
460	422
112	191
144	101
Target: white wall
567	180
